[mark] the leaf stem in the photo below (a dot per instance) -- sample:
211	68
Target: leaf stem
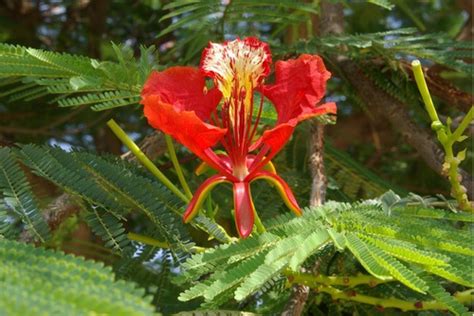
119	132
177	166
324	284
462	297
463	125
156	243
447	139
313	280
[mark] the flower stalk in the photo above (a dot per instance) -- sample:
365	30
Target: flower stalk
130	144
177	166
447	138
144	160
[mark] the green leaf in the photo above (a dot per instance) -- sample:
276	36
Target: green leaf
382	3
443	296
397	269
18	195
407	251
366	258
81	82
308	247
260	276
45	282
461	155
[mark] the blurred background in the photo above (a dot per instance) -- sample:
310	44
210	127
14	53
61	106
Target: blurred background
179	33
381	141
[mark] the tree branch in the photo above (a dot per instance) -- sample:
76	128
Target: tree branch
316	162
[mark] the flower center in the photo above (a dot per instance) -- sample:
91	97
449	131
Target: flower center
237	67
242	63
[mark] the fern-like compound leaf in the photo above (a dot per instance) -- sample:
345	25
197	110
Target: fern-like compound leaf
397	269
441	295
308	247
366	258
36	281
259	277
17	194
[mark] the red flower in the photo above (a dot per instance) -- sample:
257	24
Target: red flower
178	103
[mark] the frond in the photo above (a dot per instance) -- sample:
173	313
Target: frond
391	45
109	228
309	246
8	227
112	191
366	258
459	270
283	12
378	241
407	251
102	101
210	227
397	269
17	194
441	295
40	281
29	73
255	280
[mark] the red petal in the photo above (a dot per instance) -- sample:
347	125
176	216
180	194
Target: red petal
185	126
184	88
300	84
200	194
278	136
244	209
176	104
282	187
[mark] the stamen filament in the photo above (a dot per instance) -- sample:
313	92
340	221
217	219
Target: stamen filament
260	159
257	121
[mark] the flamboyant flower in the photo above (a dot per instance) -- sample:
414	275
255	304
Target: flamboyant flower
177	102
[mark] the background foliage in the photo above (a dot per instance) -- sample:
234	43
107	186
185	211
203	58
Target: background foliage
66	67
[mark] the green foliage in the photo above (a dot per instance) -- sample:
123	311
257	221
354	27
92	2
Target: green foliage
352	178
391	45
418	248
441	295
382	3
8	228
109	228
77	80
17	195
40	281
215	313
388	246
108	190
211	19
